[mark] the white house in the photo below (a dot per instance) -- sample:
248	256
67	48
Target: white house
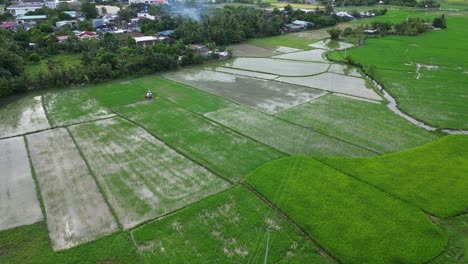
22	9
29	19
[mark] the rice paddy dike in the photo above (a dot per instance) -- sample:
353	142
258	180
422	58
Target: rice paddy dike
276	146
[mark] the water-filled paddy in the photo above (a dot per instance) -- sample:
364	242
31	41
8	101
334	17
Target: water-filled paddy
335	83
331	45
278	67
263	95
309	55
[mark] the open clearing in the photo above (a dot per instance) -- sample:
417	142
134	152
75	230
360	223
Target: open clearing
225	152
266	96
335	83
277	67
436	96
18	199
227	228
353	221
76	211
282	135
142	177
432	177
22	116
73	106
363	123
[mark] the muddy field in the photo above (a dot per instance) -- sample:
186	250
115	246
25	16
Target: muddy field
76	211
278	67
282	135
23	116
141	175
266	96
18	199
335	83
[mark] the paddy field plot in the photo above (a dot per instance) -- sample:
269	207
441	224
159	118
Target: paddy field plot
432	177
18	198
427	79
227	228
344	69
22	116
117	93
309	55
366	124
76	211
181	94
277	42
247	50
30	245
329	44
282	135
73	106
142	177
259	75
223	151
335	83
277	67
263	95
353	221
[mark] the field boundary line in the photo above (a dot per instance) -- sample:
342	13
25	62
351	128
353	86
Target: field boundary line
45	111
377	188
179	151
56	127
101	190
38	190
324	253
179	209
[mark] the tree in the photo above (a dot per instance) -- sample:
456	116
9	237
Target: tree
89	10
334	33
34	57
11	65
85	25
440	22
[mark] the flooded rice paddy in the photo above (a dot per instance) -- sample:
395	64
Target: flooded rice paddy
278	67
76	211
18	199
23	116
309	55
328	44
266	96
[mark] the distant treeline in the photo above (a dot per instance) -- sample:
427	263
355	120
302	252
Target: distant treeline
411	3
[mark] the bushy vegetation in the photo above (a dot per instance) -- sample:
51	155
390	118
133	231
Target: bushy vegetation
432	177
345	216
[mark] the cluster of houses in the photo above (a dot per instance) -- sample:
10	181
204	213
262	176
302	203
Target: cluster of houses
296	25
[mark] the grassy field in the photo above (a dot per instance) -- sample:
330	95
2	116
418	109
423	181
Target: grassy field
457	250
227	228
22	116
282	135
191	98
117	93
30	244
432	177
76	211
142	177
227	153
353	221
426	74
61	60
73	106
282	40
366	124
